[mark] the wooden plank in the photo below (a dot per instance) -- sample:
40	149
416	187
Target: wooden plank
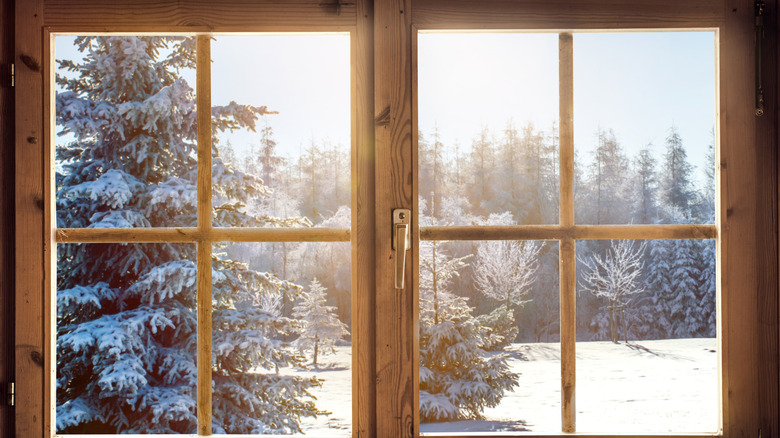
119	235
201	15
568	276
580	232
204	338
767	203
566	130
414	253
363	223
567	14
748	259
6	204
203	102
396	359
28	208
49	244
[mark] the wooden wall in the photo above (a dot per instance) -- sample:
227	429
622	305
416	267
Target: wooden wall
6	218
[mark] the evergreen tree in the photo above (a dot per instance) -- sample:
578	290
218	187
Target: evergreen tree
321	327
677	186
646	183
126	318
458	377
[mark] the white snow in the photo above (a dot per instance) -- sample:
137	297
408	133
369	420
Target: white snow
644	387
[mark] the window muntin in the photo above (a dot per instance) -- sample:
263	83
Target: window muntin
215	269
574	233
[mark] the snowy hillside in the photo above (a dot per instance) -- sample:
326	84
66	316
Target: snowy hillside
620	388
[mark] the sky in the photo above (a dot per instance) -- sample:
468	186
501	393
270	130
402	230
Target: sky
638	83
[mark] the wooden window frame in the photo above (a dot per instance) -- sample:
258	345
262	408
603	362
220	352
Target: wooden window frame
385	398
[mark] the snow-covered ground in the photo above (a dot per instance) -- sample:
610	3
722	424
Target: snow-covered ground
643	387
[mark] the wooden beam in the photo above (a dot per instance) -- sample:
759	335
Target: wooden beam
396	362
567	253
151	235
6	204
567	14
747	177
31	417
579	232
204	183
198	15
363	223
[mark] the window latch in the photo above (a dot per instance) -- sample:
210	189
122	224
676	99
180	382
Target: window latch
401	242
759	9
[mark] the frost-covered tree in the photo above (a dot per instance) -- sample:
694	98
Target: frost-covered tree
321	327
615	277
505	270
126	318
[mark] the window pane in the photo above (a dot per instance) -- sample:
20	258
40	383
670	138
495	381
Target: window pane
644	118
126	338
282	129
282	339
489	337
647	357
488	131
126	125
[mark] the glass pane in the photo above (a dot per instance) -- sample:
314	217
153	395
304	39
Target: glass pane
488	131
647	357
283	129
644	118
126	132
126	339
489	337
282	339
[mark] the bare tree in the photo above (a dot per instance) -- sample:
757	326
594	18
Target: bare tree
615	278
505	270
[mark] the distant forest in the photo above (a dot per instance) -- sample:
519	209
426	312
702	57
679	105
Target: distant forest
511	177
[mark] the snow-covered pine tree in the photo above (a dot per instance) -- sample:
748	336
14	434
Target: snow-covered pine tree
126	319
321	327
676	173
458	378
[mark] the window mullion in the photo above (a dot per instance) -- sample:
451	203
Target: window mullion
203	95
568	279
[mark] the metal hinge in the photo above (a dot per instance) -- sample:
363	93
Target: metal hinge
759	10
11	394
338	4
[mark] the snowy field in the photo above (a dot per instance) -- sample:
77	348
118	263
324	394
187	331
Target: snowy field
643	387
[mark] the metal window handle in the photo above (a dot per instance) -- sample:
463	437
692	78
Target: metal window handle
402	241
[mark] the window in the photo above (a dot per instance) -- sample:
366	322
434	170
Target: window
383	39
504	207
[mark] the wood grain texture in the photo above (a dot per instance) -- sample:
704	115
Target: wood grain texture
204	183
118	235
363	223
567	263
28	208
566	14
396	360
580	232
6	205
197	15
748	259
769	300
